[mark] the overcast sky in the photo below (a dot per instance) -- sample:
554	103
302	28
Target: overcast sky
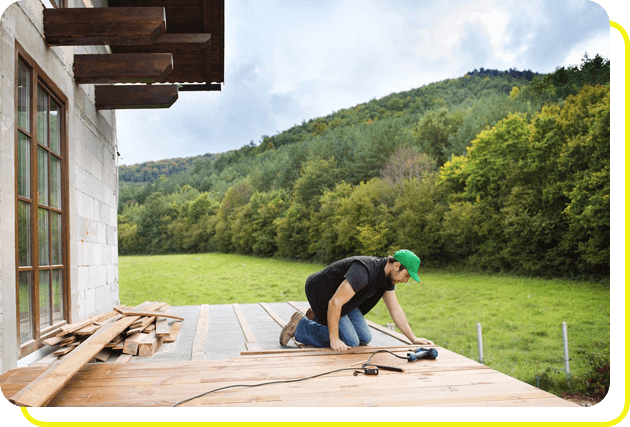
293	60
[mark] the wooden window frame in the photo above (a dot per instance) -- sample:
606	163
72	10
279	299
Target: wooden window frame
39	78
62	4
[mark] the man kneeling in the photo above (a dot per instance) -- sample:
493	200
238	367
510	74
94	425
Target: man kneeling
342	293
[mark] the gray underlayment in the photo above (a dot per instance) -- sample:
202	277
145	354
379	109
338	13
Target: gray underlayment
225	338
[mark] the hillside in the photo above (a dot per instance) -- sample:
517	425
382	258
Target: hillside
147	172
404	108
494	170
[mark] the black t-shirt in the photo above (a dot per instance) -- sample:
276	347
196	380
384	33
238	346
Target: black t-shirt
366	275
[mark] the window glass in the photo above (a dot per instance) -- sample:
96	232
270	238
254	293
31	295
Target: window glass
42	117
24	166
24	234
55	237
44	299
26	312
57	295
42	175
44	242
55	182
55	127
24	97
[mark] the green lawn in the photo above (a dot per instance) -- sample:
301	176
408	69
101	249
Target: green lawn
521	317
211	279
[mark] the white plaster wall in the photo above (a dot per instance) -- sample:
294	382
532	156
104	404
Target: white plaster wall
92	169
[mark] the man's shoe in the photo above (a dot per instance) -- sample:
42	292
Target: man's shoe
309	314
289	329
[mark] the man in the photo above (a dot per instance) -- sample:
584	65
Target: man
342	293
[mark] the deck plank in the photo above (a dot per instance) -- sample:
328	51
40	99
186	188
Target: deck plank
450	380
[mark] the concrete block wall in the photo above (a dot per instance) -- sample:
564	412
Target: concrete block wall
92	173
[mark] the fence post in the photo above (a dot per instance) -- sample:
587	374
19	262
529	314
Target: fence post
480	342
566	348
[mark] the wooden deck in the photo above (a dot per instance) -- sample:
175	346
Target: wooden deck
198	363
450	380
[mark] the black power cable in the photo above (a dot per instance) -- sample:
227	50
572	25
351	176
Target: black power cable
267	383
364	367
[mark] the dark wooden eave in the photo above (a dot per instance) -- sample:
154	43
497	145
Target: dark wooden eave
152	41
123	68
110	97
189	51
103	26
192	18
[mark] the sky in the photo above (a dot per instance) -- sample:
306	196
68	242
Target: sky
292	60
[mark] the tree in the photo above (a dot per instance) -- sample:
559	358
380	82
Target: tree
406	163
434	130
417	218
316	177
153	223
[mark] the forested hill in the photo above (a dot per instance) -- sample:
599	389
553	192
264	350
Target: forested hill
500	170
143	173
461	92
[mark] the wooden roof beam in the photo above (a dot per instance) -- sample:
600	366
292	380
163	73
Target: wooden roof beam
104	25
135	96
123	68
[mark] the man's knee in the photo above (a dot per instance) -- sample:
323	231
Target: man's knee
365	337
352	341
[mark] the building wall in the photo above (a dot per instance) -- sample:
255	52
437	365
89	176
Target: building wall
92	168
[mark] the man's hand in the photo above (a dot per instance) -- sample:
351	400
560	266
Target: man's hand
338	345
422	341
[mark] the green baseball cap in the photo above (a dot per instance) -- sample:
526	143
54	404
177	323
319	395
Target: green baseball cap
410	261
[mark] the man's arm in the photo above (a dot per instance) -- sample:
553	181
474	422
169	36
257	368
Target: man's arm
399	318
343	295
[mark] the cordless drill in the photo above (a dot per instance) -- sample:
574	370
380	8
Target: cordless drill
422	353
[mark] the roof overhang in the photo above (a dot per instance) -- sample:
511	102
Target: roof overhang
177	43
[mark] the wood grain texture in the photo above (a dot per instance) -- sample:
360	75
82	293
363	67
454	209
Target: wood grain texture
103	26
123	68
201	335
147	313
450	380
135	96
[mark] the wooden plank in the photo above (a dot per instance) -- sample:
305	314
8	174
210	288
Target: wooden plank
149	328
103	26
277	319
122	68
425	384
51	342
103	355
249	335
88	330
162	329
147	313
272	314
131	343
201	335
141	325
123	358
297	307
42	390
175	43
135	96
63	350
149	345
174	332
68	329
250	339
389	332
47	360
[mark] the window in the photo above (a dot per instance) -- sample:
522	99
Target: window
41	205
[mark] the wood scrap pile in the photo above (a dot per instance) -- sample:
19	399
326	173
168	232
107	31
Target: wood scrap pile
101	332
142	338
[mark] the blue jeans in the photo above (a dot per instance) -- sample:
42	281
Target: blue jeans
353	331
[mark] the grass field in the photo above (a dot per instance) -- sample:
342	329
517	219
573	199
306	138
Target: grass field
521	318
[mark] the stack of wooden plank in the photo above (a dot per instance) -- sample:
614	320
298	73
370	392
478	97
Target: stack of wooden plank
142	338
100	332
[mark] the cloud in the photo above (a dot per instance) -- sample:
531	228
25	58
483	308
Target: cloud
291	60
